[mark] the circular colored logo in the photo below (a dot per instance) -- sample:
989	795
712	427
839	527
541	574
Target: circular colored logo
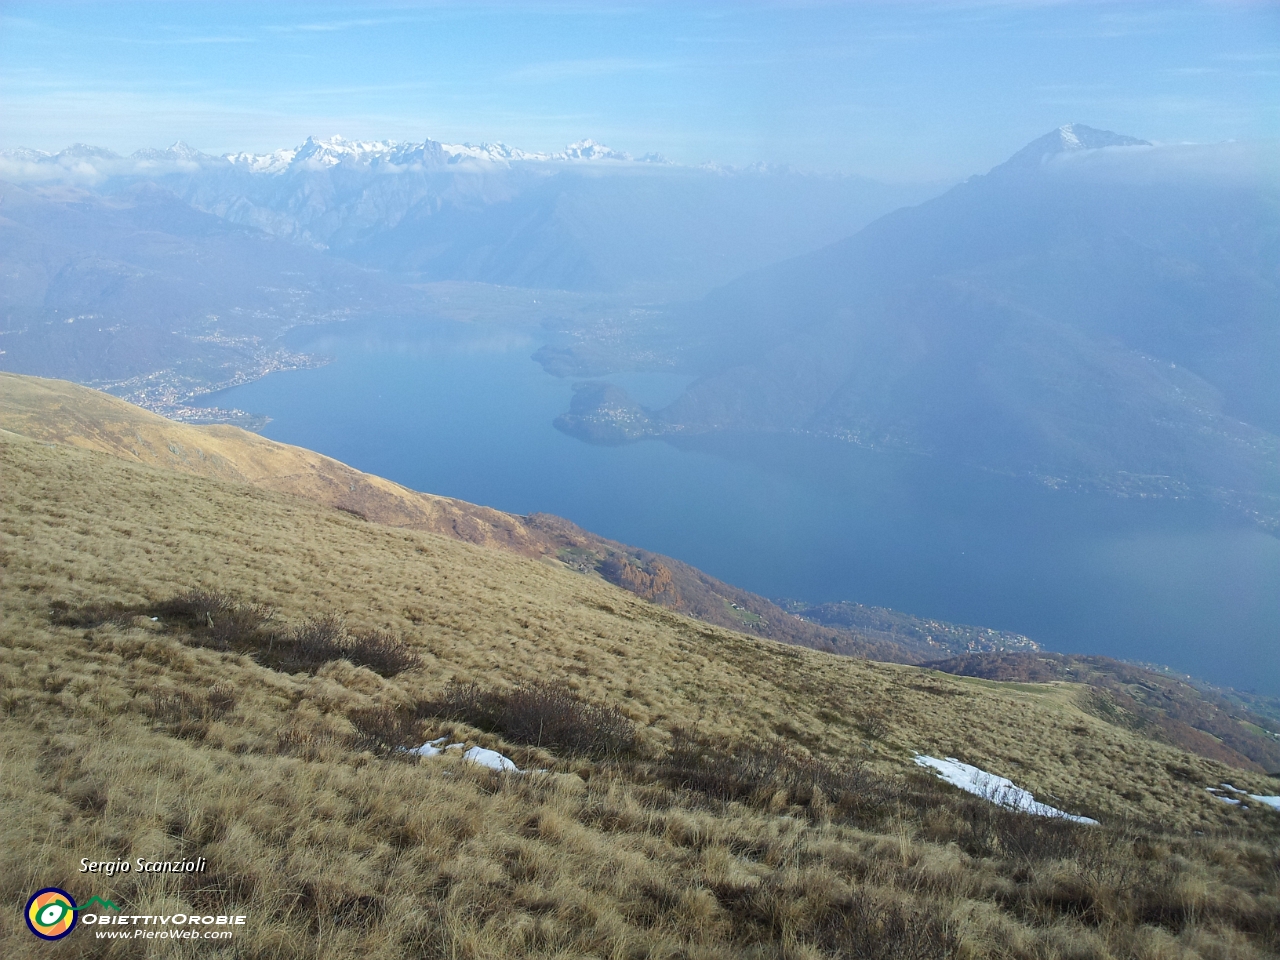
51	913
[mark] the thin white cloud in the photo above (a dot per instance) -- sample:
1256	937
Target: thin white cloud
338	26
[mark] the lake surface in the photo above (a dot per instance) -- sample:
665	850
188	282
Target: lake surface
463	411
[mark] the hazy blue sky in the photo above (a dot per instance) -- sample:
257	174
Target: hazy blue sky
895	90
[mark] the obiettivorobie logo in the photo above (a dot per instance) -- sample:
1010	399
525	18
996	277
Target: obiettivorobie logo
51	912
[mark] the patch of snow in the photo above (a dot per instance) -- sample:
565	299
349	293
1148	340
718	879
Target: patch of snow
1264	799
997	789
491	759
430	749
479	755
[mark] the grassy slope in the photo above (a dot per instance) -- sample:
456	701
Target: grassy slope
337	853
357	856
62	412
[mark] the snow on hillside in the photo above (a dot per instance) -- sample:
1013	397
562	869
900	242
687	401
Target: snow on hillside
997	789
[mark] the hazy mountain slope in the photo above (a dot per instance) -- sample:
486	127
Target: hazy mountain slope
127	737
666	231
1103	315
106	289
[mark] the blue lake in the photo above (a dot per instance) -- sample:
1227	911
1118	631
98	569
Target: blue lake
463	411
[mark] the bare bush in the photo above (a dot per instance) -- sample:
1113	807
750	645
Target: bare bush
85	616
308	646
546	715
383	653
762	772
215	619
320	640
383	729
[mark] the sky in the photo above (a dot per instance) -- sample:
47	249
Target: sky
894	90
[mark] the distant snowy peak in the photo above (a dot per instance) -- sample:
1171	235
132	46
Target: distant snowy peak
1076	136
1068	138
178	153
317	154
276	162
590	150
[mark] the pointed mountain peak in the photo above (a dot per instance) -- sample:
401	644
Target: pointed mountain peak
1068	138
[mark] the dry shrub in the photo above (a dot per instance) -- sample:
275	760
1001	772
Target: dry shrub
726	770
382	652
320	640
215	619
993	831
308	646
383	729
211	618
86	616
546	715
984	829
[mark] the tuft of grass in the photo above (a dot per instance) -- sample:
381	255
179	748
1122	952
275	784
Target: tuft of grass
857	924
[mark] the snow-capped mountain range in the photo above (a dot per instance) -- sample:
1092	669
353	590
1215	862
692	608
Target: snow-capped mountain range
314	154
586	217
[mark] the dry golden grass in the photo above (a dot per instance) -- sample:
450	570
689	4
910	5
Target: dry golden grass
65	413
338	852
